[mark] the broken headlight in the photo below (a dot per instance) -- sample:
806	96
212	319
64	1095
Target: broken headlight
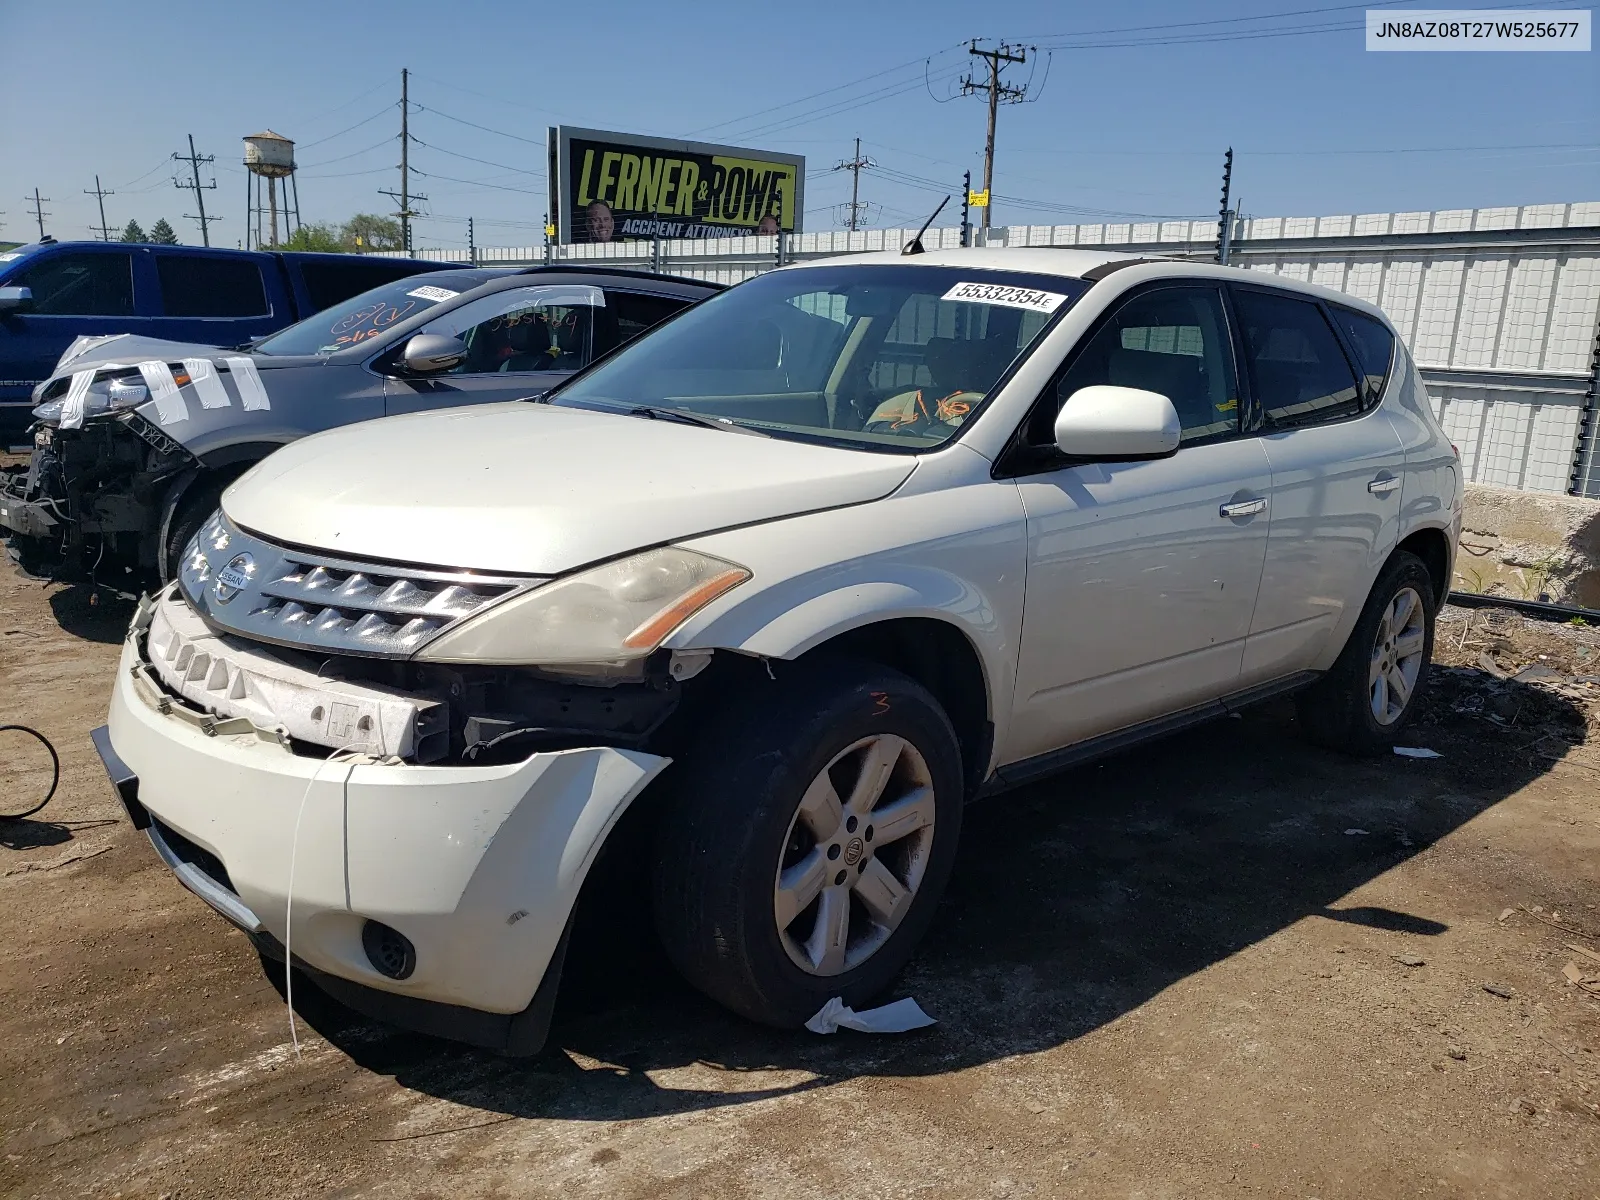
105	396
615	613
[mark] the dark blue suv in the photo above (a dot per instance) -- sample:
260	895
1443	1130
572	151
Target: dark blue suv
52	293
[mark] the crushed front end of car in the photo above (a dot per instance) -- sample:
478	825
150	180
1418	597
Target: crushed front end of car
89	502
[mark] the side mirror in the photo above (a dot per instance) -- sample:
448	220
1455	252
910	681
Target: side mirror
1117	423
16	299
429	353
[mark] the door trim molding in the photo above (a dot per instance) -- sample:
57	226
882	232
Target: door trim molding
1029	770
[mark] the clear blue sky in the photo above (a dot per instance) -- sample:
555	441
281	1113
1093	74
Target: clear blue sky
1318	125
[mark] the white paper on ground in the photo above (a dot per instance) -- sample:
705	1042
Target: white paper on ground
252	392
77	393
207	383
1416	752
170	404
898	1017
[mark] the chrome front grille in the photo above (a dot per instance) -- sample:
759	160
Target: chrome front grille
290	597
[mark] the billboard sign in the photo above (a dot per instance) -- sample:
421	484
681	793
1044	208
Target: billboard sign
622	187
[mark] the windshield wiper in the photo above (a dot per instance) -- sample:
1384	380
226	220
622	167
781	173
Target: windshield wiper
656	412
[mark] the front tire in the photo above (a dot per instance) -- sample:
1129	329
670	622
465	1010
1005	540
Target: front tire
1371	694
807	838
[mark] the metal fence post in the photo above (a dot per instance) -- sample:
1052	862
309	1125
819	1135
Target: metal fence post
1586	454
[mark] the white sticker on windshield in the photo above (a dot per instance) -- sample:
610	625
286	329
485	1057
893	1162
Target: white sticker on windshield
433	293
77	393
207	383
1006	296
8	257
252	392
170	404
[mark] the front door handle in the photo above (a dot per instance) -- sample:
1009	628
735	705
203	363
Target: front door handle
1383	485
1244	508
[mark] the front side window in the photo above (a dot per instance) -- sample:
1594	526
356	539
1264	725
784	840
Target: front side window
194	285
545	328
1373	343
370	315
879	357
80	285
1173	341
1301	374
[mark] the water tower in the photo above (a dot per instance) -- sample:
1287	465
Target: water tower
269	156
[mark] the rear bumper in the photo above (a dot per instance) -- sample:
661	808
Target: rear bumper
479	867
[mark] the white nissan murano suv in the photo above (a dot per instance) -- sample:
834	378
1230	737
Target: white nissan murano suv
780	586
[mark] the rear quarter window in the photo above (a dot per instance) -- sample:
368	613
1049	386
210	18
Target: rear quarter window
1374	346
194	285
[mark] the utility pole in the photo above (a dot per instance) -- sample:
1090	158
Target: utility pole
997	59
404	196
200	189
855	166
39	213
966	208
1225	218
472	244
100	194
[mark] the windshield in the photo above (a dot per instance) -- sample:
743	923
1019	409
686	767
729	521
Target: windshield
882	357
369	315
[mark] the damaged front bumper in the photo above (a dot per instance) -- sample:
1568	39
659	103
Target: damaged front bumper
478	868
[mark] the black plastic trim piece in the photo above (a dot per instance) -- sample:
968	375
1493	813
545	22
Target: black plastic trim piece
1096	274
1038	767
123	779
517	1035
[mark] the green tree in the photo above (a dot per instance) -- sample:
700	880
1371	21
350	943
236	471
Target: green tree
134	232
368	231
161	233
320	235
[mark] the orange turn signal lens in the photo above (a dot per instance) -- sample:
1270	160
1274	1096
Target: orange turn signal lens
650	633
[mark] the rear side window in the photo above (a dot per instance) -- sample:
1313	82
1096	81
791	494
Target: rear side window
1374	347
80	285
193	285
1301	374
628	314
329	283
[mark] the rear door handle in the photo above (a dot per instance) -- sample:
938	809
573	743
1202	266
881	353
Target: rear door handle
1383	485
1244	508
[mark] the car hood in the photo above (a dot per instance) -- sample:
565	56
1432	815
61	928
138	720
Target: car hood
534	489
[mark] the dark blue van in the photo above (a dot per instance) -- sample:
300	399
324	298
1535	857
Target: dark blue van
52	293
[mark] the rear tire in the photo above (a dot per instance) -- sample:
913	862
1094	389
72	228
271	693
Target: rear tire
1371	693
806	839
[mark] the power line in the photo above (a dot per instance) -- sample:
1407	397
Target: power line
328	162
483	161
349	128
501	187
497	132
194	160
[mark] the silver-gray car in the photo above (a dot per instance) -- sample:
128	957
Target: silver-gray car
135	439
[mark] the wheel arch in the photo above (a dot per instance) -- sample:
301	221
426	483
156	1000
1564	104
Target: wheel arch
1432	546
940	657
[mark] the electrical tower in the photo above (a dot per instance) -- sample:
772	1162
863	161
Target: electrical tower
857	205
39	213
405	195
100	194
200	189
999	93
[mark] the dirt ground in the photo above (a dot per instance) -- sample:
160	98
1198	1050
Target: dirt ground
1226	964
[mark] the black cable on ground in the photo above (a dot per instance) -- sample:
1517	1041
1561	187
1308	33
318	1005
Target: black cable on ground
55	773
1533	608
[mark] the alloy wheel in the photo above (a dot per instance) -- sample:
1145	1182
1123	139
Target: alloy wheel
1397	656
855	855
